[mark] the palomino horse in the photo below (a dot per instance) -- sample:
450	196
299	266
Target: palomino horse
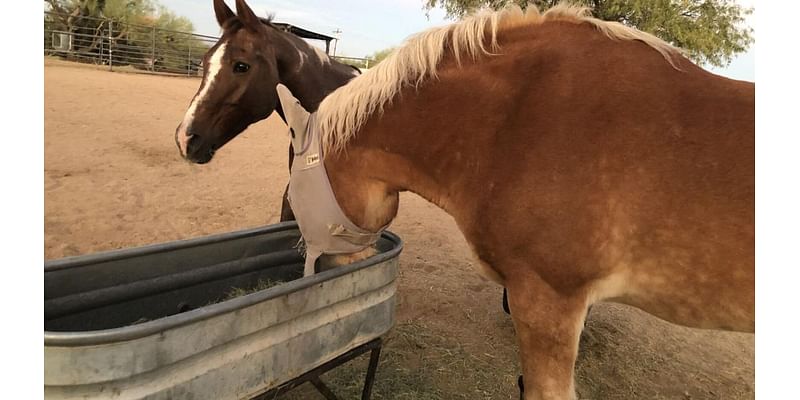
239	78
582	160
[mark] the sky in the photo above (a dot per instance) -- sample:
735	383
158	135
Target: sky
368	26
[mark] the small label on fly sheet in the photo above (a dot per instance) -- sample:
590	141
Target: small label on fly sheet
312	159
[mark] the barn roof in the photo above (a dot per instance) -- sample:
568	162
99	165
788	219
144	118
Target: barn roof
303	33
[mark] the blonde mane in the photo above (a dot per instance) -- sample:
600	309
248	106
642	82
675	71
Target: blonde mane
344	111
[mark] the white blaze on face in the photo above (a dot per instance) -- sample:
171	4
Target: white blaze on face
214	66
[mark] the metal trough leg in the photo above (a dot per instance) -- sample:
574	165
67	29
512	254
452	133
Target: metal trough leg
374	356
314	375
323	389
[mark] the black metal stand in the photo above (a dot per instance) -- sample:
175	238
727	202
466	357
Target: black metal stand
314	375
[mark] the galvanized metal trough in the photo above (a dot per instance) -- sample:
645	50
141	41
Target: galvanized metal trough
141	323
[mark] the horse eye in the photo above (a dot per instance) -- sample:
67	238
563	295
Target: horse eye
240	67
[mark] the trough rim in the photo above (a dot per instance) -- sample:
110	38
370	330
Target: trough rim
126	333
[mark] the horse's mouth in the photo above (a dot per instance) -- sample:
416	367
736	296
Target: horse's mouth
199	153
203	157
202	161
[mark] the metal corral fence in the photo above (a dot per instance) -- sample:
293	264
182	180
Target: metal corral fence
362	63
102	41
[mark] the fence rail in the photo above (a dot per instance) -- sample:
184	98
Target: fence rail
363	63
111	43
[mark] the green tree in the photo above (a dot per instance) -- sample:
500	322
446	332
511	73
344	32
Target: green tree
168	20
378	56
128	11
710	31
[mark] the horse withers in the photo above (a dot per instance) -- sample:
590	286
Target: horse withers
583	161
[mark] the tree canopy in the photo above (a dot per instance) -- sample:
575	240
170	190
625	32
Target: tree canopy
710	31
378	56
141	12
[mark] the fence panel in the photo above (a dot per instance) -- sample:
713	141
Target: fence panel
110	43
117	44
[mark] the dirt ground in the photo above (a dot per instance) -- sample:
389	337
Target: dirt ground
114	179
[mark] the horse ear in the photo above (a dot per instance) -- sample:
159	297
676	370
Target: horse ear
247	16
223	12
296	115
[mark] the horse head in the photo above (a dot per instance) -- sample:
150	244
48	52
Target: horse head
239	76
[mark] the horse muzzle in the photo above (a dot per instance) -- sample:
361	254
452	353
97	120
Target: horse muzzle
193	148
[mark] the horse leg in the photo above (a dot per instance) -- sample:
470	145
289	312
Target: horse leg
548	326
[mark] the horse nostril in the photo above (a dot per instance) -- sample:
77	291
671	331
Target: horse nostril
191	143
183	139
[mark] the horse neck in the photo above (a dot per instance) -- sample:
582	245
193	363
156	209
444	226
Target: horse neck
412	149
447	139
307	72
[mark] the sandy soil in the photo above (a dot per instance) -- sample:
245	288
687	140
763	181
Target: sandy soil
114	179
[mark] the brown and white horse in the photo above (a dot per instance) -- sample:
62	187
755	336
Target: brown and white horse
582	160
239	78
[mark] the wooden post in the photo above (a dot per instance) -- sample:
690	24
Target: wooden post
336	32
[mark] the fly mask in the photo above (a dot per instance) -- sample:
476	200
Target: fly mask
325	228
